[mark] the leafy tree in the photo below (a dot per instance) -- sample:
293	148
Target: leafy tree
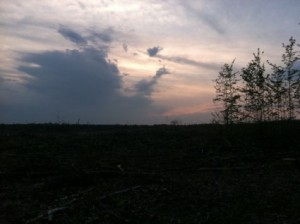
275	96
227	93
285	82
297	88
289	58
254	89
276	93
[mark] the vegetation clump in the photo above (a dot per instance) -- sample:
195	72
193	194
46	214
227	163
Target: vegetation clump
257	95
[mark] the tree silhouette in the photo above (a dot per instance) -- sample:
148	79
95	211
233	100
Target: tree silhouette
254	89
276	93
285	82
275	96
227	94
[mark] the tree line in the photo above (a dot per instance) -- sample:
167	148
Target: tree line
256	94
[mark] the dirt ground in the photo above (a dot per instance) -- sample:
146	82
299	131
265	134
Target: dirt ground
150	174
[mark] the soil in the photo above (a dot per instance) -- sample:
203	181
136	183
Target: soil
60	173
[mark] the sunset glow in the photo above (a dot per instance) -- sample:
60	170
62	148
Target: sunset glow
114	61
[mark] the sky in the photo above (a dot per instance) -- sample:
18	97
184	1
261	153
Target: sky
130	61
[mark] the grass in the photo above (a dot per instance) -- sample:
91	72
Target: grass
246	173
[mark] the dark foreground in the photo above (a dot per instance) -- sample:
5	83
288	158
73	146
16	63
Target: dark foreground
158	174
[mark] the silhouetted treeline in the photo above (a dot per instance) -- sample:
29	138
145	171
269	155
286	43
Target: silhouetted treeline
254	95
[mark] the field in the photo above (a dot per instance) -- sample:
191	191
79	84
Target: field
248	173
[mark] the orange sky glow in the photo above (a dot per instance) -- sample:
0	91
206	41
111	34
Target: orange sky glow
110	62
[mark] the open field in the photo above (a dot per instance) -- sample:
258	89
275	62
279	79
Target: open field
150	174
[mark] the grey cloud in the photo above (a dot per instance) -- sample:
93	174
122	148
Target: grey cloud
145	87
72	36
1	78
105	35
212	22
125	47
186	61
81	5
160	72
80	84
75	84
205	15
154	51
74	77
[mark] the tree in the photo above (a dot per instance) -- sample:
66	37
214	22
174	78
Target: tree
275	96
297	78
227	93
254	89
276	93
289	58
285	82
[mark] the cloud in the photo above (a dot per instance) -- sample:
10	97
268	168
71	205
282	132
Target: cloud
79	83
207	14
72	36
72	76
160	72
125	47
105	35
81	5
154	51
212	22
145	87
186	61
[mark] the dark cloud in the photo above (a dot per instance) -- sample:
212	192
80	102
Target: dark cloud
1	78
212	22
152	52
186	61
160	72
296	65
72	76
206	16
72	36
145	87
125	47
80	83
105	35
